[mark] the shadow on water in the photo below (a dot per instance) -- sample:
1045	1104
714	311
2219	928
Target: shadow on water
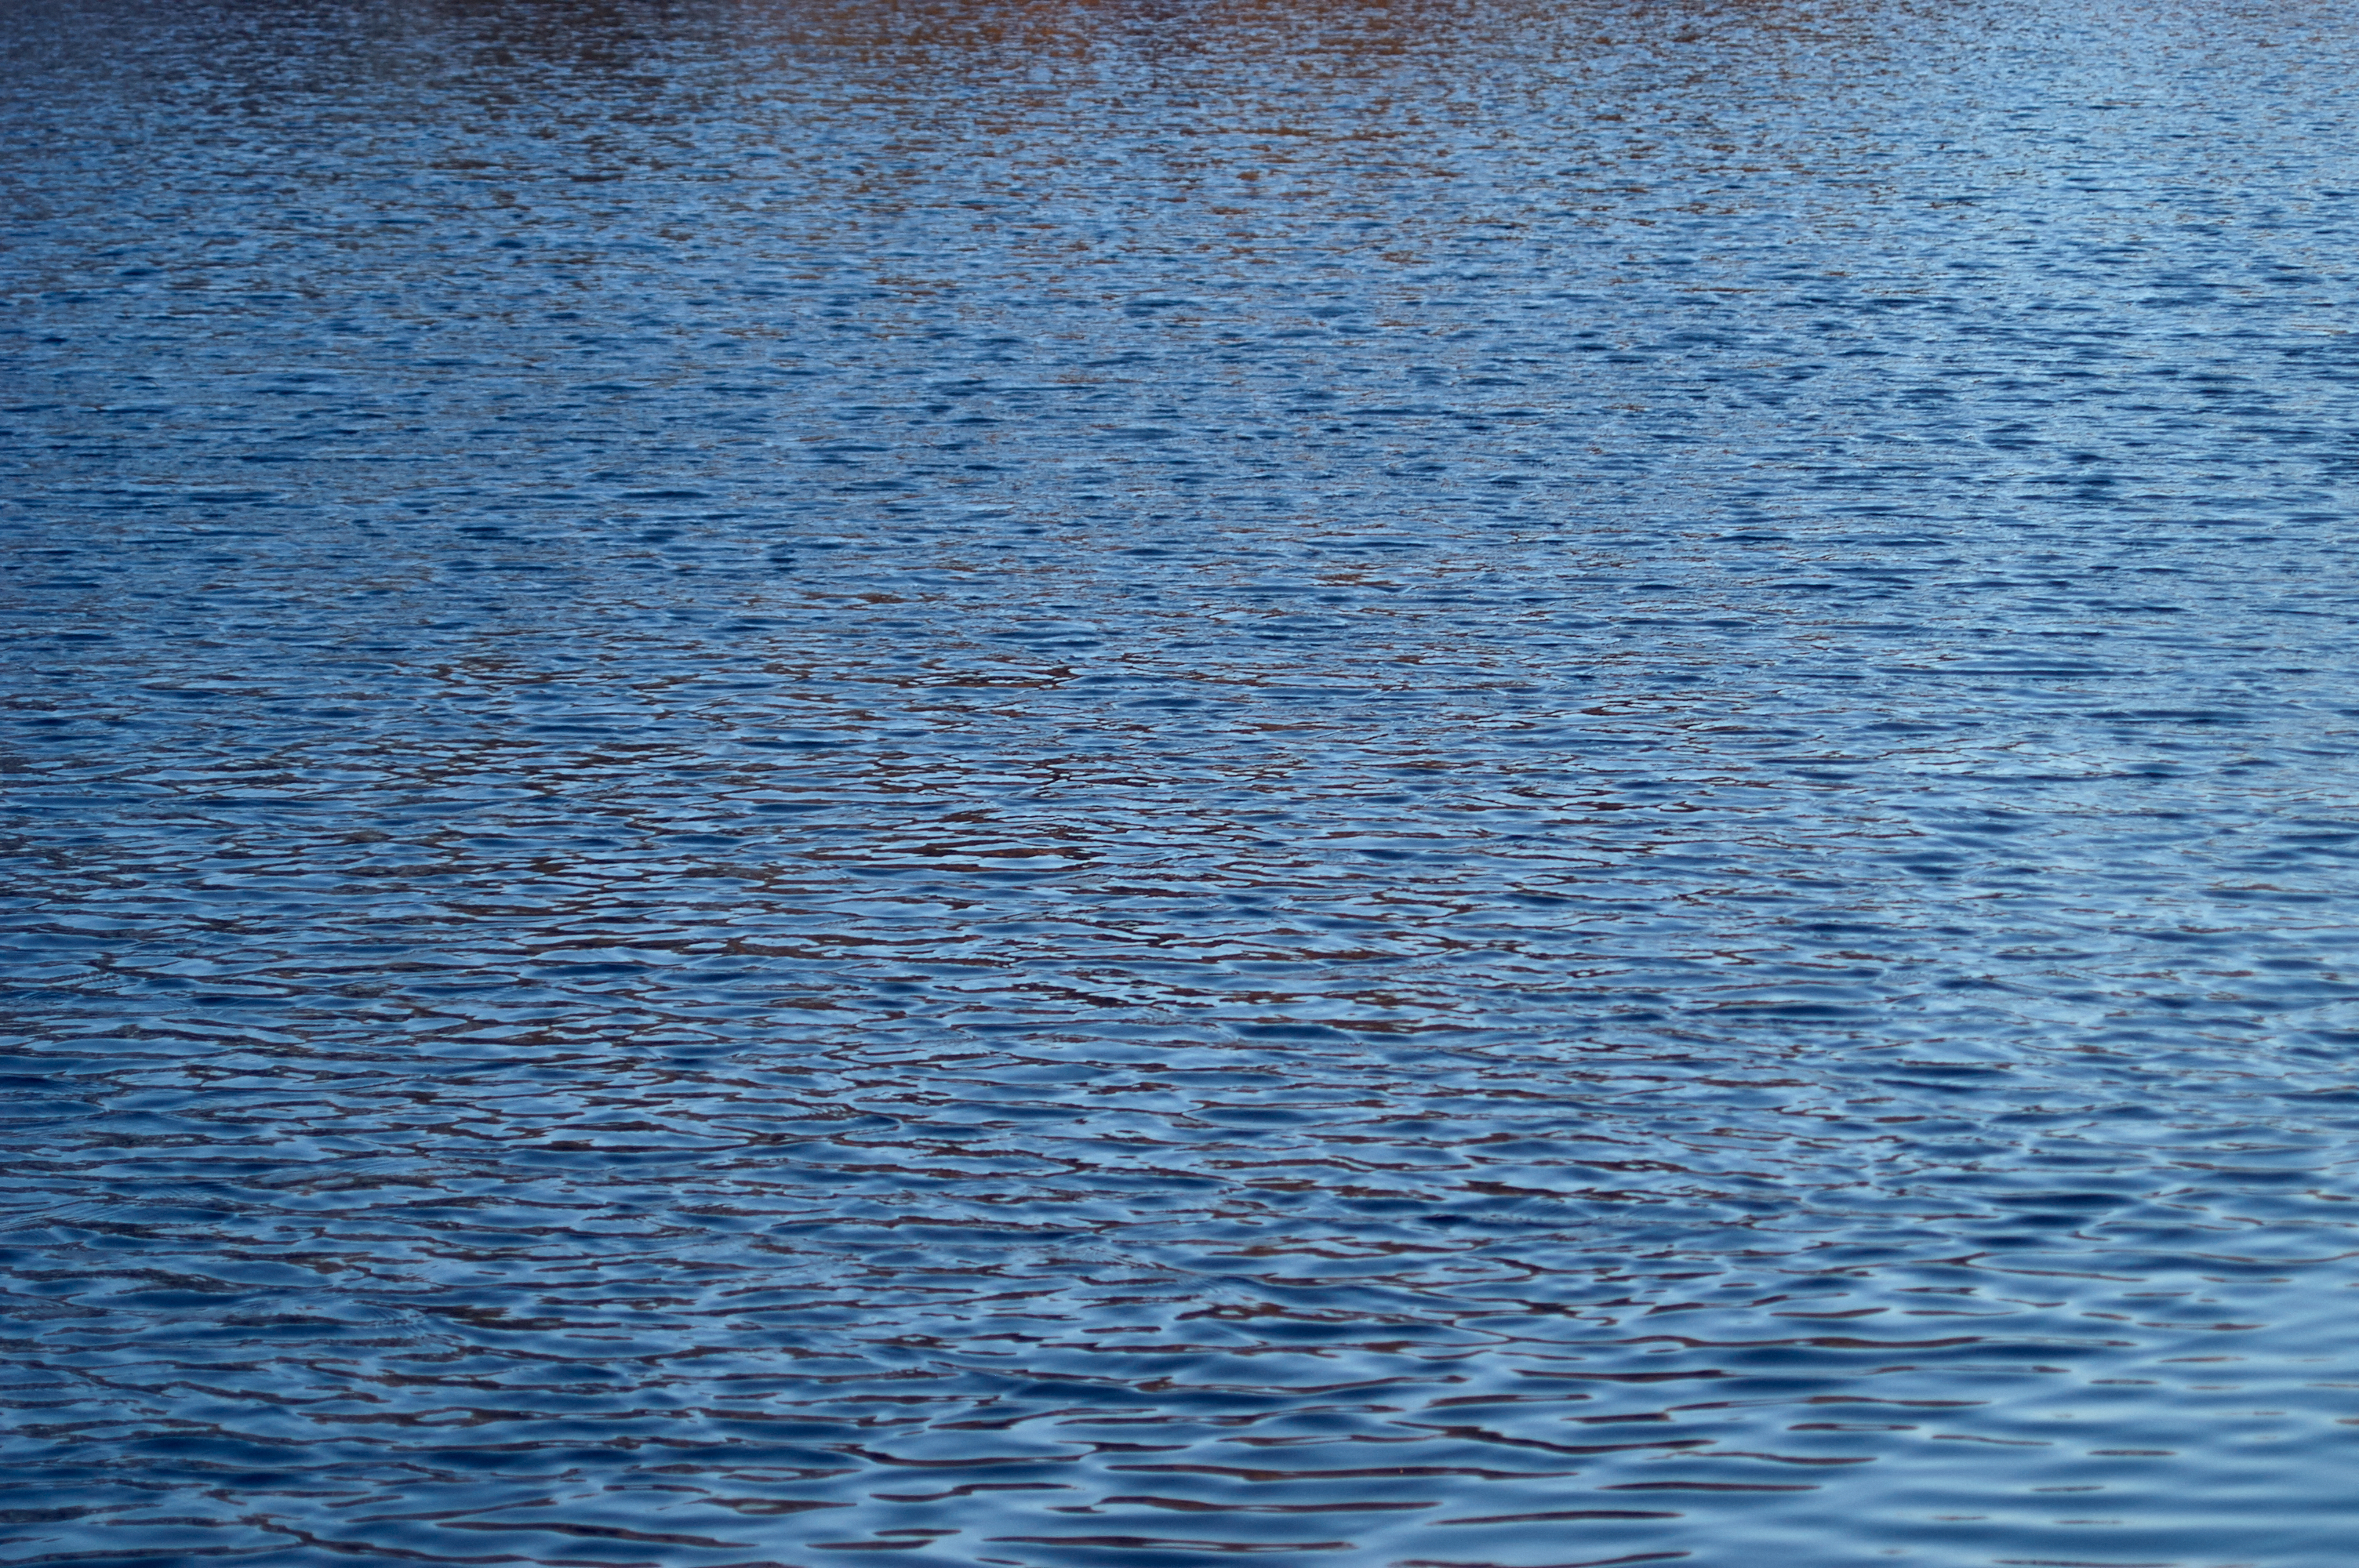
1447	785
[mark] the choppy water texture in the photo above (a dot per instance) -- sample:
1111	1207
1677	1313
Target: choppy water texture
1498	784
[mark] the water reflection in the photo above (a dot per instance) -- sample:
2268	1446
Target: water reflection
1449	785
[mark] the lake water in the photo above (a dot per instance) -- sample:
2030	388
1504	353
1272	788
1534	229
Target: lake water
1457	785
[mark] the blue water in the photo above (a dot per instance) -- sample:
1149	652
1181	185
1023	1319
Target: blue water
1459	785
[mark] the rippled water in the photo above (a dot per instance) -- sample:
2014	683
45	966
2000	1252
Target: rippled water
1052	784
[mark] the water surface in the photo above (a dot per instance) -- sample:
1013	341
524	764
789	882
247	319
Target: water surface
1478	786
